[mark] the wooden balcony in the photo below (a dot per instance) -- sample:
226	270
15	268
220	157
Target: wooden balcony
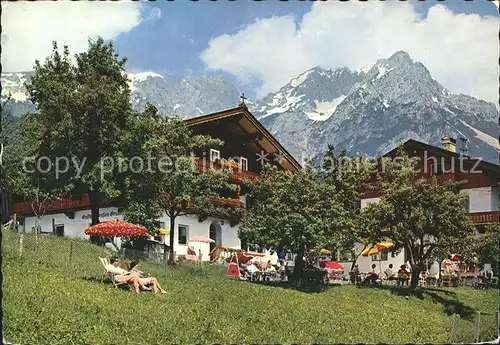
52	205
237	174
228	202
446	177
485	217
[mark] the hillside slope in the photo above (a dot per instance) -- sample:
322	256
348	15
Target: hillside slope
59	295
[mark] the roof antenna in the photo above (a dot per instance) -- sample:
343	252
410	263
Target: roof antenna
464	149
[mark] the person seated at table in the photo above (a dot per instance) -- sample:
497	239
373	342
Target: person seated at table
486	277
372	276
389	274
270	267
402	276
149	281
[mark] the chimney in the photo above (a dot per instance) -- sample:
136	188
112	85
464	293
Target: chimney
449	143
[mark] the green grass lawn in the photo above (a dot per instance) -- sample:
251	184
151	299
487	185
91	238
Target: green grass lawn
49	298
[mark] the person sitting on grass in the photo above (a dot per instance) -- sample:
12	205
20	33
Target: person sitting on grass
122	276
150	281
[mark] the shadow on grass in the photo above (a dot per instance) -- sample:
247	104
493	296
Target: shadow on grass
448	299
104	281
310	288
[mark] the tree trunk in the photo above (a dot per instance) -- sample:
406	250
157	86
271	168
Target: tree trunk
95	201
171	257
356	259
415	276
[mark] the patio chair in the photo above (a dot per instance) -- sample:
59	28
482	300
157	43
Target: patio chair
191	255
105	262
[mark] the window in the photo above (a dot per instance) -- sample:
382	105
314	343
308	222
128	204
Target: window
244	163
214	155
382	256
59	230
183	234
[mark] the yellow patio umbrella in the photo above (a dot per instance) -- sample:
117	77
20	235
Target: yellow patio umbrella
377	248
322	251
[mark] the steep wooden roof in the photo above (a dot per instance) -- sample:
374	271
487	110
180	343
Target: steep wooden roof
415	144
245	122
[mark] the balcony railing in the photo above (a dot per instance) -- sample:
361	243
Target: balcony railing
485	217
446	177
228	202
237	173
26	207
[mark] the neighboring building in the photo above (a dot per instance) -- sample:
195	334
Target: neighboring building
245	140
482	181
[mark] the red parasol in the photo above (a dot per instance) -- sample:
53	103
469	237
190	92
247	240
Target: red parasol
334	266
201	239
116	228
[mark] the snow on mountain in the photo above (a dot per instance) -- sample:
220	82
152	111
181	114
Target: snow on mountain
368	111
324	110
137	78
374	109
13	85
484	137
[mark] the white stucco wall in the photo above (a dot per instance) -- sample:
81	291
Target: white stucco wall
495	198
365	262
365	202
480	199
75	228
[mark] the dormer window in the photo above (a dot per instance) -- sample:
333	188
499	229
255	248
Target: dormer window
244	163
214	155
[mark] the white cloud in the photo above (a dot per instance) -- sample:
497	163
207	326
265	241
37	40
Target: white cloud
460	51
30	27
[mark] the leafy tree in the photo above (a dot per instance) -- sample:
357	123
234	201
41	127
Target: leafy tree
350	177
485	245
83	114
425	217
171	182
24	171
298	211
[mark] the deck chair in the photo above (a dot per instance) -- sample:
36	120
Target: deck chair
105	262
191	255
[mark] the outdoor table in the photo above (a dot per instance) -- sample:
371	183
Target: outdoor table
464	276
265	275
431	278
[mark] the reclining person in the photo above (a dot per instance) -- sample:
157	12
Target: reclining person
134	268
250	269
122	276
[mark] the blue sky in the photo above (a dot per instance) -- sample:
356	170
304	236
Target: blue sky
172	44
261	45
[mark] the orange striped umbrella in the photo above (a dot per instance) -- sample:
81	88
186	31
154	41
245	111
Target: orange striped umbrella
376	248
